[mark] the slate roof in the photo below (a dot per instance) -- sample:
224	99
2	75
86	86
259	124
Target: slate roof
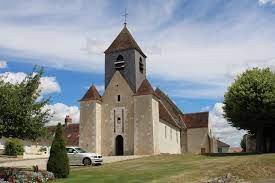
91	94
124	41
71	133
222	144
169	104
196	120
145	88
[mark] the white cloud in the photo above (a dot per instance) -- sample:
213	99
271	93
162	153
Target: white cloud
48	84
206	108
262	2
185	44
3	64
222	129
60	110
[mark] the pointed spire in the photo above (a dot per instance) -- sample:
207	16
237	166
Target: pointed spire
124	41
91	94
145	88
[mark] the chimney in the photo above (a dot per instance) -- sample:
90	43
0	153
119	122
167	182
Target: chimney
68	120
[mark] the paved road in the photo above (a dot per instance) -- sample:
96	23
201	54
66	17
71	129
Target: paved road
42	162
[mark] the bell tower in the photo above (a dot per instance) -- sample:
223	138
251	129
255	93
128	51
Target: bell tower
124	55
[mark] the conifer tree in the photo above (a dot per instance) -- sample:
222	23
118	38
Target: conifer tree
58	162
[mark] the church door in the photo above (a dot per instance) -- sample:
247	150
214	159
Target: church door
119	145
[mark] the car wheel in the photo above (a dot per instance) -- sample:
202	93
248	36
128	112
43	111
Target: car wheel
87	162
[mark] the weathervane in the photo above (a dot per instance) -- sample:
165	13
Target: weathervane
125	17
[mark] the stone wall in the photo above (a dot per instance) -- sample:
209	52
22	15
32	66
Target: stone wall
131	71
144	125
169	138
183	140
111	110
90	126
197	138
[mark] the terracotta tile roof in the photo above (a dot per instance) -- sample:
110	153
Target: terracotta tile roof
124	41
166	116
91	94
196	120
222	144
235	149
145	88
169	104
71	133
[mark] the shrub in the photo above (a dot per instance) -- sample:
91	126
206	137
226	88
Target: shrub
13	147
58	162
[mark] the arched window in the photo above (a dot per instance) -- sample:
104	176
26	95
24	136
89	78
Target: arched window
141	66
120	63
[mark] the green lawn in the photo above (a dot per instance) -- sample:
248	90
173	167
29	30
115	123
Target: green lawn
177	168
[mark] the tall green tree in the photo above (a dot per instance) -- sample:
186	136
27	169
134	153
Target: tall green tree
22	109
250	103
58	162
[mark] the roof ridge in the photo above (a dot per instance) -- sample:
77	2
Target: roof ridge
196	113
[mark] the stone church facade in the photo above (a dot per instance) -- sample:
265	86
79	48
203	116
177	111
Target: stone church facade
131	118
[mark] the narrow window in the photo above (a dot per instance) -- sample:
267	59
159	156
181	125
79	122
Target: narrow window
119	63
171	133
122	120
114	121
177	136
141	66
165	131
118	98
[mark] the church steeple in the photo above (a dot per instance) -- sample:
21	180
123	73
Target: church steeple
124	41
125	55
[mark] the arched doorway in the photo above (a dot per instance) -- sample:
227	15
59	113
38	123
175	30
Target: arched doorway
119	145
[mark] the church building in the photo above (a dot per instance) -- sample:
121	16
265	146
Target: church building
131	118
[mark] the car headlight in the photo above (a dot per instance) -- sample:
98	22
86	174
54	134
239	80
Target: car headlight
94	156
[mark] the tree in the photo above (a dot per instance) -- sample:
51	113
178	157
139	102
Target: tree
250	103
243	143
22	108
58	162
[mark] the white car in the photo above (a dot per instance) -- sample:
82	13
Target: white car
78	156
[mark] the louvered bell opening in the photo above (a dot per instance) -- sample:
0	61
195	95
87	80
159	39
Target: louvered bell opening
119	63
141	67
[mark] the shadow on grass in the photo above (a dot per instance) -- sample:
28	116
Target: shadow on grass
230	154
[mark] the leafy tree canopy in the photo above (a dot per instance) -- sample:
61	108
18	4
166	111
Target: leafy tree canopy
250	100
22	109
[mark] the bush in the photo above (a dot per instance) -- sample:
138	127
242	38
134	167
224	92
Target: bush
58	162
13	147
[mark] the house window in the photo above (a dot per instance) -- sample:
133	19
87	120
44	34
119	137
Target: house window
177	136
171	133
118	98
119	63
165	131
141	66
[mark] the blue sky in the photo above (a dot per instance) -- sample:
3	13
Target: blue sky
195	48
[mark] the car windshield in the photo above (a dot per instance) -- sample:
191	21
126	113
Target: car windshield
80	150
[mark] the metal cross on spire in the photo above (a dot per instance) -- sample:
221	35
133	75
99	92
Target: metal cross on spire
125	17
